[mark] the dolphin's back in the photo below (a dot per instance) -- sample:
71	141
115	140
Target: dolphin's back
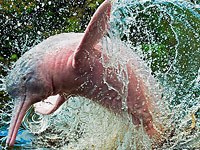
58	41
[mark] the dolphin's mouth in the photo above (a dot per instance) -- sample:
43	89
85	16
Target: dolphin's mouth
20	108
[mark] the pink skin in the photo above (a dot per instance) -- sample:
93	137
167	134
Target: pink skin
74	68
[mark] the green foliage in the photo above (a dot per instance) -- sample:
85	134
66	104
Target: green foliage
157	54
172	27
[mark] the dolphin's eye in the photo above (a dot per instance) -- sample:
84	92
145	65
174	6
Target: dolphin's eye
24	78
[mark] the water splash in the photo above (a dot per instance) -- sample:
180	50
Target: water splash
166	36
167	33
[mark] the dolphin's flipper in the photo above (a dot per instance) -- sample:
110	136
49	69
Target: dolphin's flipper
49	105
93	33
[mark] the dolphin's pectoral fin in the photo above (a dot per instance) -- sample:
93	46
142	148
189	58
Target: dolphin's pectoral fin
49	105
93	33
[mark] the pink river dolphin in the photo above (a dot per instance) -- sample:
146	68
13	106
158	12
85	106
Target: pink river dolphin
68	65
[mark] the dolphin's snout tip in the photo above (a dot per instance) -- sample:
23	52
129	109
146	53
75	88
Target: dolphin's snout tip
8	142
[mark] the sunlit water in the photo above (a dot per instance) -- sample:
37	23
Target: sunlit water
146	28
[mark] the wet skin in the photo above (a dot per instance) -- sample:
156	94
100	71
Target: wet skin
70	65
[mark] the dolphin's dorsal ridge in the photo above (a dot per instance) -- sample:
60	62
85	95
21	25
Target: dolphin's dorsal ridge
93	33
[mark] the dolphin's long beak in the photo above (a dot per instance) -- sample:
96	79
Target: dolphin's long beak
19	111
